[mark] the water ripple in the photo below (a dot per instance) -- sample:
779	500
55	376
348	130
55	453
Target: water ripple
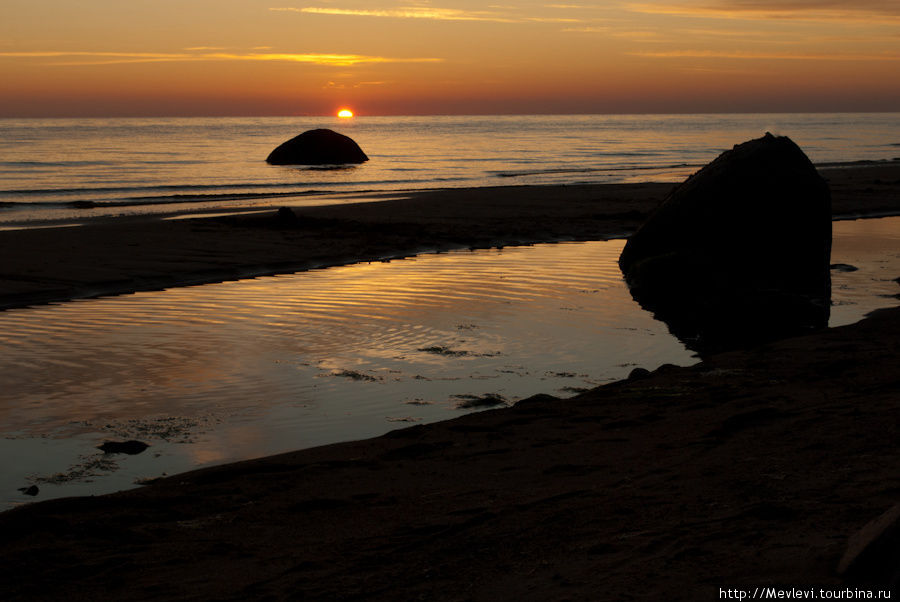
283	362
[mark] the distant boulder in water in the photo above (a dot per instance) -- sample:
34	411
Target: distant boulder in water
317	147
131	448
739	252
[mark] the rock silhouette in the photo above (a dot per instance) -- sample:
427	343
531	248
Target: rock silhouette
317	147
123	447
738	253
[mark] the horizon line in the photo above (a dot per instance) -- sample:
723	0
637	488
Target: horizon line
358	115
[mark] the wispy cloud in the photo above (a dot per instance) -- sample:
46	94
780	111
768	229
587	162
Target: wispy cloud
588	29
753	35
718	54
497	14
871	6
111	58
551	20
813	10
710	70
411	12
354	85
642	36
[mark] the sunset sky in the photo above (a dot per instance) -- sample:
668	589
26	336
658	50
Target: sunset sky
274	57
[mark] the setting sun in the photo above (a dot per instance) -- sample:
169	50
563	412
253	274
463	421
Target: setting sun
345	113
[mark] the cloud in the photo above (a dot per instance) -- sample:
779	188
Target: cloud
498	14
875	11
710	70
872	6
637	35
588	29
347	86
112	58
551	20
763	36
718	54
325	59
412	12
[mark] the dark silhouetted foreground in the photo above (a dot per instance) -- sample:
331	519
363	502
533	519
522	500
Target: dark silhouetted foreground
738	253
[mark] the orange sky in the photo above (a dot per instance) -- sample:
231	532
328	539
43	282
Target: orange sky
274	57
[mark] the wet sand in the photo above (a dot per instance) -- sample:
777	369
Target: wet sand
752	468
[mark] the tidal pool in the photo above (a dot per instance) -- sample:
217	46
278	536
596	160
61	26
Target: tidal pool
223	372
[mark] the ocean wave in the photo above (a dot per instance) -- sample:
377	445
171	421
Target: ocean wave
91	198
27	164
627	154
119	164
189	190
158	200
587	170
103	190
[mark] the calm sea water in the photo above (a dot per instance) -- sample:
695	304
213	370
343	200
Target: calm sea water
154	165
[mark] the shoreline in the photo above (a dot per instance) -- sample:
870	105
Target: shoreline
125	255
751	468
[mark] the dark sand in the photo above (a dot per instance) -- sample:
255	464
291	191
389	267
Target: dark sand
749	469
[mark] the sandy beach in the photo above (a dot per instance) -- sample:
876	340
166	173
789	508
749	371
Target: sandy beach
753	468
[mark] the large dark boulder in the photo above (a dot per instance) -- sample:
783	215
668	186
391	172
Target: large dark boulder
317	147
738	253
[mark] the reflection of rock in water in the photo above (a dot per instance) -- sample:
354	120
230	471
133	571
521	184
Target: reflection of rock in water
739	252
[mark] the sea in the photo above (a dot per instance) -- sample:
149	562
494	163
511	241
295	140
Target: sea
72	169
236	370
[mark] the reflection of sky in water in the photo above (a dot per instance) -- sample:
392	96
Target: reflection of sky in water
873	246
242	369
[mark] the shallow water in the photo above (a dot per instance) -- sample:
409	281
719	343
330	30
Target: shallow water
228	371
